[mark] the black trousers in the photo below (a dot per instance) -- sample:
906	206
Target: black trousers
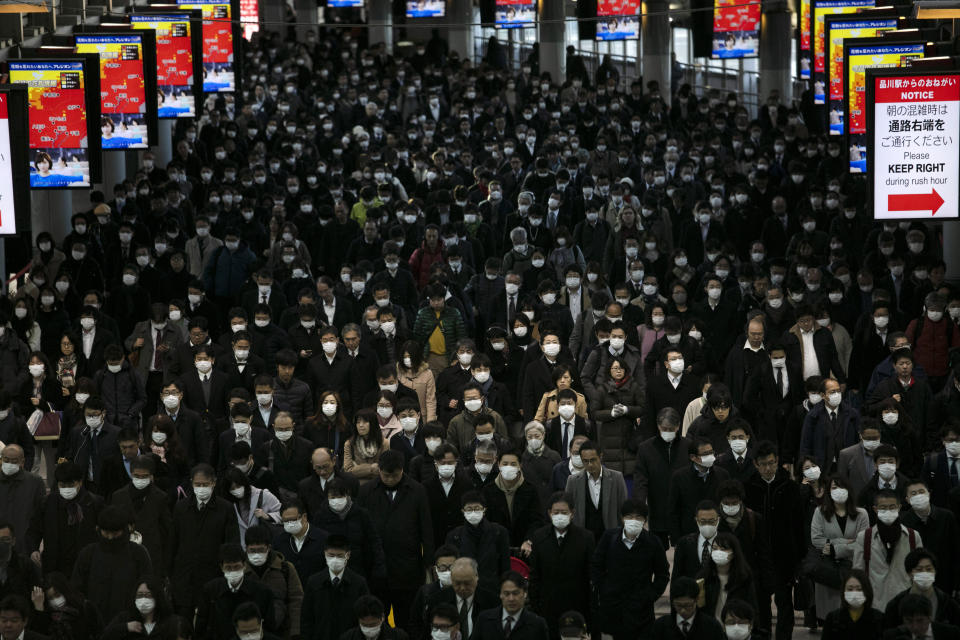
783	598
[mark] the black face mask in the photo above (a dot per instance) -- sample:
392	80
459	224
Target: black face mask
113	544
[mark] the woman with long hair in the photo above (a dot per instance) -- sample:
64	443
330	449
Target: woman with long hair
726	576
415	374
328	427
163	439
833	532
149	614
363	449
253	506
387	418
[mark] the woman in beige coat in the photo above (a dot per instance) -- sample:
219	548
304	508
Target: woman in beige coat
414	374
363	449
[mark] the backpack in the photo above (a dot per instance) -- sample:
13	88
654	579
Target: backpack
868	544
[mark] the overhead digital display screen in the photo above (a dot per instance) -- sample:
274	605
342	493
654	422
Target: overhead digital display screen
219	54
838	30
250	17
618	19
515	14
426	8
123	108
8	195
57	113
345	4
175	62
857	57
822	9
736	29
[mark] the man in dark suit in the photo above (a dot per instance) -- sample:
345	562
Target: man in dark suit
222	595
718	317
629	572
329	595
770	393
693	550
745	523
205	391
150	507
313	489
522	515
181	361
690	485
332	309
241	431
463	593
444	490
240	362
560	564
561	431
286	456
737	460
387	381
538	374
301	543
90	446
887	461
673	387
511	619
746	355
267	293
830	426
657	460
363	370
684	622
331	369
824	347
401	517
194	437
117	472
942	470
776	498
265	411
94	338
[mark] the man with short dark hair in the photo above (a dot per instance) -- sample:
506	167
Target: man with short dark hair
511	619
330	595
685	622
401	517
630	571
222	595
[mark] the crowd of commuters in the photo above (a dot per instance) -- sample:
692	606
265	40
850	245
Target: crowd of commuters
404	347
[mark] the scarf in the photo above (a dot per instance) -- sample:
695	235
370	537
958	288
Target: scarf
509	493
365	448
622	382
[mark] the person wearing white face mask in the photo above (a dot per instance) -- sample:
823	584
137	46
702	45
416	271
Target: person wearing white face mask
727	576
219	598
833	531
273	570
881	549
631	566
671	385
904	393
657	459
241	431
251	504
691	484
830	426
485	541
463	427
538	459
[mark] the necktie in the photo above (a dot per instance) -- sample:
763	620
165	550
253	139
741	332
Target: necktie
263	298
566	438
512	309
205	384
464	616
953	472
508	626
833	420
886	485
685	627
705	554
336	583
780	382
157	364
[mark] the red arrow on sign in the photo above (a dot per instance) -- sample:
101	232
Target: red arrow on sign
915	202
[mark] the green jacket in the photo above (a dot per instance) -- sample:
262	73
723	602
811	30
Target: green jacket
451	325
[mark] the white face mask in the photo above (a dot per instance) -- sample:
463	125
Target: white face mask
720	557
707	460
731	509
329	409
10	468
370	632
737	631
409	424
509	473
141	483
811	473
632	527
855	599
707	530
920	501
924	579
888	516
668	436
337	504
566	411
887	470
839	495
145	605
738	446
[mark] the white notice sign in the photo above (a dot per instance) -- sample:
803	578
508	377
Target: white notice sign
916	157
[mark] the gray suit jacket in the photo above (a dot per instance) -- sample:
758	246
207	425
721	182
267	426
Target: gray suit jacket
613	491
172	337
851	466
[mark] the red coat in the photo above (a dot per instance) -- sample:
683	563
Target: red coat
421	261
930	348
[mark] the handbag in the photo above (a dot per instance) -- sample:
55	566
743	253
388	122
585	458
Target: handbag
824	569
44	425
